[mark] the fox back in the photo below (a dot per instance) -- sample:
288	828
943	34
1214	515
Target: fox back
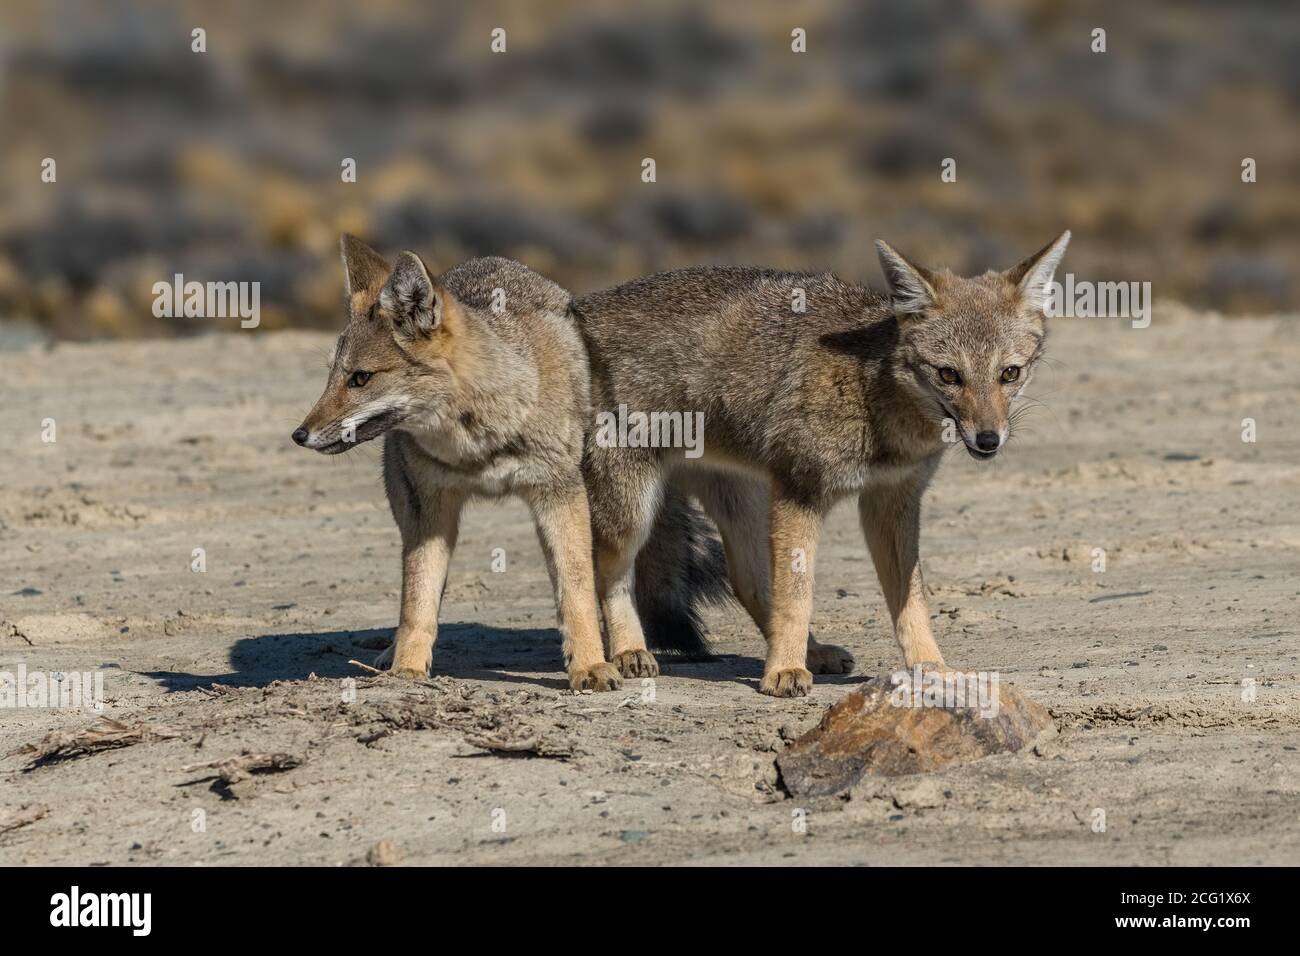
815	379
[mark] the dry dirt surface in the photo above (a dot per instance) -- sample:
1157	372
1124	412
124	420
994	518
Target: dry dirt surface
232	735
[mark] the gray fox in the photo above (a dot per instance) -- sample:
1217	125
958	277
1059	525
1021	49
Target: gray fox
812	389
479	382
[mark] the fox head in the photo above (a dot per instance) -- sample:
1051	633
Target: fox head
392	364
968	346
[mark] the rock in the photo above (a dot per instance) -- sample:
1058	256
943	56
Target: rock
910	723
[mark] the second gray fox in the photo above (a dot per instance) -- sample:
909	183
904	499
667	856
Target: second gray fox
801	409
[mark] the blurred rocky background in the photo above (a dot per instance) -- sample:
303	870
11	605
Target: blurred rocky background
225	165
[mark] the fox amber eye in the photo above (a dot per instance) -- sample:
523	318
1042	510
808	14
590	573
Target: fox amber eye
949	376
358	379
1011	373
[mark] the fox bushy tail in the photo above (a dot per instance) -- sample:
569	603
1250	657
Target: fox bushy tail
680	569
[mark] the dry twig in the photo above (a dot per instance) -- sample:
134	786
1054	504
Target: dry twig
234	769
107	734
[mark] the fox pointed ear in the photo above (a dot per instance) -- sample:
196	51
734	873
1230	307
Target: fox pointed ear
411	299
364	270
1033	276
911	288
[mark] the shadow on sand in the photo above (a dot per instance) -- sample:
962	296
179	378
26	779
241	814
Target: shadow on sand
464	651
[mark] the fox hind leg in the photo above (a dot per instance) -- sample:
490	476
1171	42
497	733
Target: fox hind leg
794	527
738	506
623	513
828	658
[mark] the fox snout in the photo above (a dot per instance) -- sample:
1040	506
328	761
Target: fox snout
983	430
327	428
329	437
982	422
982	417
342	426
984	445
329	440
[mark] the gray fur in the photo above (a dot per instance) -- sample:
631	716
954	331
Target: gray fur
478	379
803	407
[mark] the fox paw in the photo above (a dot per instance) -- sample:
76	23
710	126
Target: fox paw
598	677
829	659
791	682
412	665
409	673
636	664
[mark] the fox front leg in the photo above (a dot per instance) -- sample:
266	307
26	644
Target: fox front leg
891	523
564	528
429	528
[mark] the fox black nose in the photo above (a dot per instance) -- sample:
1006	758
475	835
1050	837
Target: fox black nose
300	436
987	441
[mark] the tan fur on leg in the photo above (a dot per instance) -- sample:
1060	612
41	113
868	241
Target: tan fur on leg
794	529
891	523
564	528
428	540
738	506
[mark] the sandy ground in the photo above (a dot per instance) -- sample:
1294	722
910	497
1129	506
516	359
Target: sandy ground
164	447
